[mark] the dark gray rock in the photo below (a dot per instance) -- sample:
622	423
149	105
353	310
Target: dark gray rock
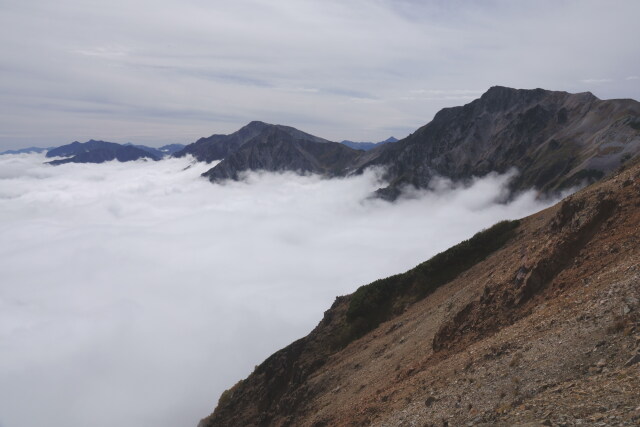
555	139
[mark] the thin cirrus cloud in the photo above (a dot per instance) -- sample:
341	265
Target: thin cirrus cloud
596	81
340	70
134	293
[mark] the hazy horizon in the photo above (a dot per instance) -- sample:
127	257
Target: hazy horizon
174	71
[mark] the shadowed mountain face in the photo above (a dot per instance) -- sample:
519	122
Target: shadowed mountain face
261	146
555	139
277	148
217	147
98	152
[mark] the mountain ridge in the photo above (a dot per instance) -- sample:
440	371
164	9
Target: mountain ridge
27	150
94	151
276	149
218	146
366	146
556	140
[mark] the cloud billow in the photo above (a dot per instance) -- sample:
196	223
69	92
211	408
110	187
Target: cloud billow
134	293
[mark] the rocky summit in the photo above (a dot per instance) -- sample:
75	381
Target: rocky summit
556	140
531	322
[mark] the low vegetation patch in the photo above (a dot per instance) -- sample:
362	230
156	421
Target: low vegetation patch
383	299
226	395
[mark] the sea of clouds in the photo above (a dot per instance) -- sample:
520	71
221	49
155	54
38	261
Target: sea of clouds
133	294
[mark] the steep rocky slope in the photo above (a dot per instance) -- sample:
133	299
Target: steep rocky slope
542	328
555	139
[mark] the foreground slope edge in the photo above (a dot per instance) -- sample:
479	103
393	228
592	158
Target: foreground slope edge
545	329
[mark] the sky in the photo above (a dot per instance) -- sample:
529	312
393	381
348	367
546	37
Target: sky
172	71
133	294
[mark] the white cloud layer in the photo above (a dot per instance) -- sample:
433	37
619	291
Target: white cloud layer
176	70
133	294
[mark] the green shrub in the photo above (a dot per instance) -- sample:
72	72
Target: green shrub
226	395
379	301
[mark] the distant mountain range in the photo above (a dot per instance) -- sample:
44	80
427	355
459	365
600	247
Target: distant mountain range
555	139
100	151
27	150
366	146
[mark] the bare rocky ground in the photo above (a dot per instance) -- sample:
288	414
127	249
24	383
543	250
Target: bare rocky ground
546	331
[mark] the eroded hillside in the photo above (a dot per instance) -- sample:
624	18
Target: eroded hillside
543	329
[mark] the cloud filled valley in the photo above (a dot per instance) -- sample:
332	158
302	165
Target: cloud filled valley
134	293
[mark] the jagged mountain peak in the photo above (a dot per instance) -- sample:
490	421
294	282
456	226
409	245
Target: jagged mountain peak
255	125
555	139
